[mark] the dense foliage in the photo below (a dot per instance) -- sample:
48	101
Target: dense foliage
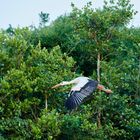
32	60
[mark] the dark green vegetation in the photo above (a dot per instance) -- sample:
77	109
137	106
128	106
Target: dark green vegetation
98	44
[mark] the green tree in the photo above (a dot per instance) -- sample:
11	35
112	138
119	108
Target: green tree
97	29
44	18
27	74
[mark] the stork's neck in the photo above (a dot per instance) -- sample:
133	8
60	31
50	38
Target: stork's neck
66	83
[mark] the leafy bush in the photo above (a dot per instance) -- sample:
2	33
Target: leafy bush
27	74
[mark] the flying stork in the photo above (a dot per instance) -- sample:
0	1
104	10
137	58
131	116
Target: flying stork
83	87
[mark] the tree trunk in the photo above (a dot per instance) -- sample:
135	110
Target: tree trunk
138	87
98	67
46	102
98	78
99	119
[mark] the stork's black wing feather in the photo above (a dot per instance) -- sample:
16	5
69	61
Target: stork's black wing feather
89	88
74	100
76	97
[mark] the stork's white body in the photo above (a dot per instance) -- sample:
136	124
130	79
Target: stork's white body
79	83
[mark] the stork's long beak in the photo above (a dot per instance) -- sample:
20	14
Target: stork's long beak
56	86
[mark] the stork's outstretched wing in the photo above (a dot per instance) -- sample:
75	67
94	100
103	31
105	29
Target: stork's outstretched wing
77	97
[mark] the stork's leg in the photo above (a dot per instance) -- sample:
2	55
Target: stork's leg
101	87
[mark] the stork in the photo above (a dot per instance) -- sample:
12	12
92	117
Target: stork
83	87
